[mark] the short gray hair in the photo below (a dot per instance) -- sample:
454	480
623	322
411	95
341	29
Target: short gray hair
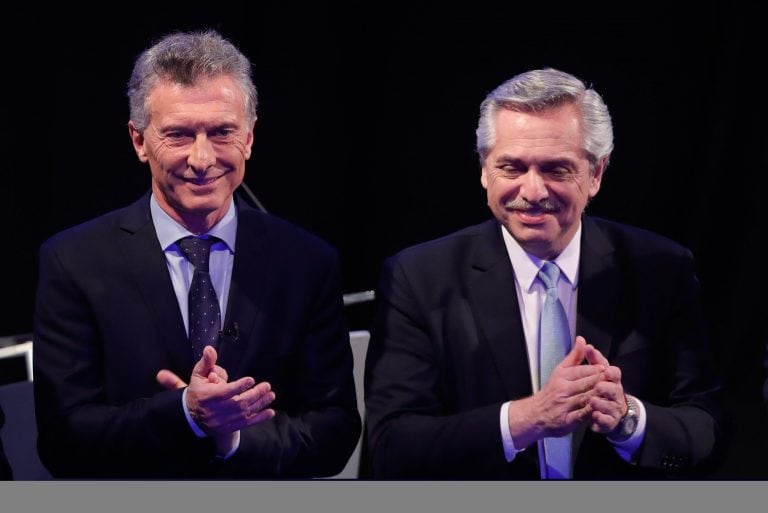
544	89
184	58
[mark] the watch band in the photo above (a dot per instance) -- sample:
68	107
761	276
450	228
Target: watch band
628	423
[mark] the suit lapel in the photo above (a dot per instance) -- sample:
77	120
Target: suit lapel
597	296
598	289
145	258
246	290
491	288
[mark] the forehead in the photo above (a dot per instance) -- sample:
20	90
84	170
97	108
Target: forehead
208	97
557	130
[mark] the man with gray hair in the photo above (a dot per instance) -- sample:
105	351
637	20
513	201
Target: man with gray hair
543	343
190	335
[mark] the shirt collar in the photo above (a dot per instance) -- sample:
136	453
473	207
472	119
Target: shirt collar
169	231
527	266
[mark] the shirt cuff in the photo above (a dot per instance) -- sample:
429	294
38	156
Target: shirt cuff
235	446
510	451
192	424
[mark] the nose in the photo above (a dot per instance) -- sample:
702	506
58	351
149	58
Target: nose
201	154
534	187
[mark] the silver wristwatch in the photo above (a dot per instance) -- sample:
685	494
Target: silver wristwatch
628	423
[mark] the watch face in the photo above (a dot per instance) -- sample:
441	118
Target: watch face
630	424
627	425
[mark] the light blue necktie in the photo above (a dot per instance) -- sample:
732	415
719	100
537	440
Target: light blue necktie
554	344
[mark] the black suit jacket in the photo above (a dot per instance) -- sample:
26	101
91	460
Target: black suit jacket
447	349
107	319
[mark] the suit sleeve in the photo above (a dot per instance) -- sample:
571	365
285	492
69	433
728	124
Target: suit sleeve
685	424
317	423
413	429
80	432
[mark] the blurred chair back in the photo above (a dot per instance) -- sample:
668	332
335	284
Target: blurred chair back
19	434
359	342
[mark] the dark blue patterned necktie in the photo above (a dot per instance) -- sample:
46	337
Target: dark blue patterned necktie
555	343
204	312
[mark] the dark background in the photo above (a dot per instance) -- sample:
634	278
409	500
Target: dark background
366	135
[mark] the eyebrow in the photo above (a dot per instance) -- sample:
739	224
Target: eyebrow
504	159
196	125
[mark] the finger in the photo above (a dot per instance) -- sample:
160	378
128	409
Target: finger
233	391
261	403
256	397
576	355
586	383
606	407
262	388
580	401
601	423
595	357
242	422
169	380
207	362
602	405
610	391
260	417
222	372
222	405
218	375
613	374
583	371
580	413
254	400
247	383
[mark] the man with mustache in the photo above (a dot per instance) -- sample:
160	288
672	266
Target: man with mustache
456	382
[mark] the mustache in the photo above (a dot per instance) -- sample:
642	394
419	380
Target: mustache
545	205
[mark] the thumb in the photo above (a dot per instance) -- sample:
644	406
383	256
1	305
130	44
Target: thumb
207	362
169	380
577	354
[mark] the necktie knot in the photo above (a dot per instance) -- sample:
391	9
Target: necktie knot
549	274
197	251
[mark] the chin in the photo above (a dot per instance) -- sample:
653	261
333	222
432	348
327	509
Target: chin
530	232
201	206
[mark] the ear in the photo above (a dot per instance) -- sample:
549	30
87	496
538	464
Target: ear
597	176
249	141
484	177
138	142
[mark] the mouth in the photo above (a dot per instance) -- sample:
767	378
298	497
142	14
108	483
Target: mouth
532	213
201	181
532	216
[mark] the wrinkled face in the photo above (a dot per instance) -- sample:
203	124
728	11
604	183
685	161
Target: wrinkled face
196	144
538	178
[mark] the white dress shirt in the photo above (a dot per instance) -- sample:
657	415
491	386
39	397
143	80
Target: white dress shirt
181	270
531	294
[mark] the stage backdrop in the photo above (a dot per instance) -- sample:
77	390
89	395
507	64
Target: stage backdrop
366	135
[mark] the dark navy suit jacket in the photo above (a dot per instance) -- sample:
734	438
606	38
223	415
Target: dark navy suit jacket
107	319
448	348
